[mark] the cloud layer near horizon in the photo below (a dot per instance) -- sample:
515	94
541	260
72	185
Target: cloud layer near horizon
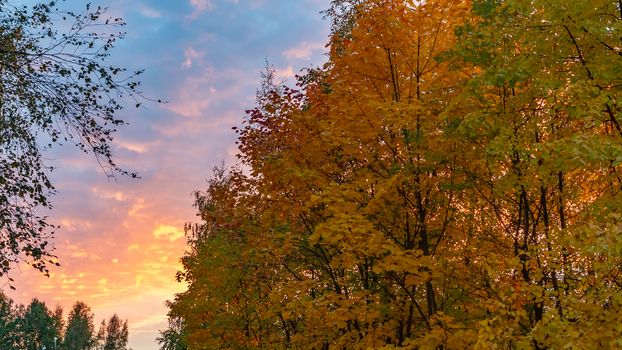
120	241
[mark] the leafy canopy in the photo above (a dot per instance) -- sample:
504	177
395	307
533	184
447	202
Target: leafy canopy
449	179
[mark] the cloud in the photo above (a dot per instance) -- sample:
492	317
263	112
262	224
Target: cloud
190	54
192	99
134	147
171	233
106	194
200	6
133	247
148	12
81	253
138	205
84	254
285	73
303	51
204	96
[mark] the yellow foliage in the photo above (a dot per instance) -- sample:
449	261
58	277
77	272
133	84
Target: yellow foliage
449	180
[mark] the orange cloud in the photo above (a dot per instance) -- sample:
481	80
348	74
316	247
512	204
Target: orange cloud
168	232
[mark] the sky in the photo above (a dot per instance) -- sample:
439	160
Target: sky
120	241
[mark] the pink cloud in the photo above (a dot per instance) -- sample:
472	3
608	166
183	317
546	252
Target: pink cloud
304	50
190	55
285	73
198	95
200	6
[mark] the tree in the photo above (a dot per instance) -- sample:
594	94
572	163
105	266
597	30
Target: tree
348	205
541	132
38	327
172	338
113	335
59	324
363	164
55	87
79	334
9	336
226	274
450	179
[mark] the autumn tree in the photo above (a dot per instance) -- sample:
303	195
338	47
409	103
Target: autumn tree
542	136
172	338
449	179
360	160
227	271
345	166
55	87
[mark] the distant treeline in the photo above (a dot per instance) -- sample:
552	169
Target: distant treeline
36	327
